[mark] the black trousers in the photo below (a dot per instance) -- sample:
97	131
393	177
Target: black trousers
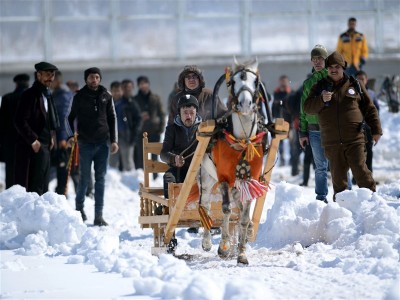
173	174
39	171
308	160
62	157
9	159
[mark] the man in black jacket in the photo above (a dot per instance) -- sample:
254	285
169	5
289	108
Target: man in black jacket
8	133
35	119
94	111
152	115
179	141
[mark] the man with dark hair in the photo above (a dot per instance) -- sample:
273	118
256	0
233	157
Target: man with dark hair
8	133
178	137
353	46
191	81
94	111
153	117
343	106
35	119
128	120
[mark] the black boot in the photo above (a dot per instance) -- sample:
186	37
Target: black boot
84	217
99	221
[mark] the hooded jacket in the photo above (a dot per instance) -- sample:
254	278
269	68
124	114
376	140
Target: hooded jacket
341	119
177	138
353	46
95	114
203	95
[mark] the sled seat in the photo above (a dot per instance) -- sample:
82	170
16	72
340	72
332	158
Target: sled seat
156	211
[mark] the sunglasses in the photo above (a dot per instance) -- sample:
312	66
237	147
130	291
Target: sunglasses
189	77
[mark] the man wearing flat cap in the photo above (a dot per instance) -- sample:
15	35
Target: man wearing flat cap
8	133
93	109
343	106
35	120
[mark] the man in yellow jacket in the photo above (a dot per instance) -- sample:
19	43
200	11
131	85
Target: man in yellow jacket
353	46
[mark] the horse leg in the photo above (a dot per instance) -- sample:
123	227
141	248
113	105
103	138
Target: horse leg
225	245
205	182
244	227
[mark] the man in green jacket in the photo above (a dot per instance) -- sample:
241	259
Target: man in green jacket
309	127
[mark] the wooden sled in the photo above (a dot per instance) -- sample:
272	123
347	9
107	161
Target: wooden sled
177	211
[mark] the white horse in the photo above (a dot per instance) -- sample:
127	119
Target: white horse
236	158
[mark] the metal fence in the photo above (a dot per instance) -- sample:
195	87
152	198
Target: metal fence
154	31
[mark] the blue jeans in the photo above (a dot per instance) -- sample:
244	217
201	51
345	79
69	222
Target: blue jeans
321	165
98	153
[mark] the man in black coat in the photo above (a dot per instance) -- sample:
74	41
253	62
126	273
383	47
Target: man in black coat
93	109
179	138
8	133
35	119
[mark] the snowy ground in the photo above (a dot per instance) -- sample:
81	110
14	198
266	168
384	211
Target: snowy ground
304	248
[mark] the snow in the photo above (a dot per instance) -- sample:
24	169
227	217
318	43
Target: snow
304	248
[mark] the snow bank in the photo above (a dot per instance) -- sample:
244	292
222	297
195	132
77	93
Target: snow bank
359	221
38	224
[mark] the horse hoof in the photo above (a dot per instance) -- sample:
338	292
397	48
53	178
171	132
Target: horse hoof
223	250
206	245
242	259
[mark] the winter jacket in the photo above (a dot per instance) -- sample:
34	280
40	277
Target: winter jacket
306	119
177	138
62	101
128	119
341	119
279	105
151	103
31	117
353	46
95	114
203	95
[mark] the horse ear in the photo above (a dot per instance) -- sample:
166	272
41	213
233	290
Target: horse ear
235	61
254	64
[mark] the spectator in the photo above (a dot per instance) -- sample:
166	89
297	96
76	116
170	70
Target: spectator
293	107
171	96
309	126
342	106
62	101
73	86
8	133
94	111
191	81
178	137
35	119
128	121
353	46
363	78
153	118
279	107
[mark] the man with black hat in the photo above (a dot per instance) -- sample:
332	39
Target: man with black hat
310	135
93	108
35	119
178	137
153	118
191	81
8	133
343	105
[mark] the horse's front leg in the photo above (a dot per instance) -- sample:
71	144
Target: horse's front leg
225	244
206	183
245	230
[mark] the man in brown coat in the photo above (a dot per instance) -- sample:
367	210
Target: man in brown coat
191	81
343	106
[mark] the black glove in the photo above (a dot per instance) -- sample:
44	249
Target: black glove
362	62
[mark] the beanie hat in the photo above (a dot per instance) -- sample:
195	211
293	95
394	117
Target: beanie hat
336	58
188	100
190	69
93	70
319	50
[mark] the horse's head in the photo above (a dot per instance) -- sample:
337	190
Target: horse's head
244	82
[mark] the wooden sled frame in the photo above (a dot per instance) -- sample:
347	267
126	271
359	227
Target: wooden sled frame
176	213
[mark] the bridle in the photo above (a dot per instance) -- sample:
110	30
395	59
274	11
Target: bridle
234	96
